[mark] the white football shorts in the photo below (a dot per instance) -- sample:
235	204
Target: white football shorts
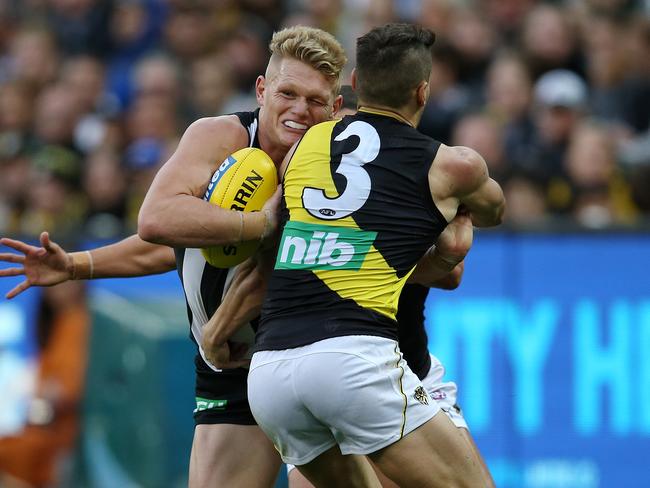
354	391
444	393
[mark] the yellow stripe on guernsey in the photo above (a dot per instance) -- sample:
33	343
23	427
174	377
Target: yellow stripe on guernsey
337	251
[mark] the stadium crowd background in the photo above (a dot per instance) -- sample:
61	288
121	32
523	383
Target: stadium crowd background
95	94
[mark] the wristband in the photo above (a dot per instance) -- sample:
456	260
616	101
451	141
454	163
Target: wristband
266	231
82	266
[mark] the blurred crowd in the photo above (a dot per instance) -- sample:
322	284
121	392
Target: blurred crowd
95	94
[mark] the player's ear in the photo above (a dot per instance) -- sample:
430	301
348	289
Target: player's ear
422	93
353	79
338	103
260	87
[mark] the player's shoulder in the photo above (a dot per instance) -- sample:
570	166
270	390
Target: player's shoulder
463	165
227	128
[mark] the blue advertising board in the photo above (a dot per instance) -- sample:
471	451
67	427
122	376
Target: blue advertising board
548	339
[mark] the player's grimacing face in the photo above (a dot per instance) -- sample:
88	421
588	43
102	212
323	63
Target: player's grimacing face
294	97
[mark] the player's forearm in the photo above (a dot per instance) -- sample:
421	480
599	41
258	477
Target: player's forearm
187	221
242	303
228	318
487	205
433	267
451	280
127	258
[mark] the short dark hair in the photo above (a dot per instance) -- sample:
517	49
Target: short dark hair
392	60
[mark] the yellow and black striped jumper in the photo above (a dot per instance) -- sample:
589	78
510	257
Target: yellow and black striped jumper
357	216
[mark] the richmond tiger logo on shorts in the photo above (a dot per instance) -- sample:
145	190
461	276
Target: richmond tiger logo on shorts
421	395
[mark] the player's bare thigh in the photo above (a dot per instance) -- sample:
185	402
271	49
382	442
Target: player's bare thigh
332	469
232	455
298	480
436	454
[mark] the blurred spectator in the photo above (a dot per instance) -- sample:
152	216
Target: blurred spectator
157	76
508	97
507	15
16	120
526	199
13	190
484	134
8	23
437	15
560	104
53	199
84	77
152	117
620	90
272	11
40	455
600	196
81	26
57	113
33	58
247	52
211	86
105	185
548	40
379	12
16	139
135	29
508	89
189	30
475	40
152	130
447	98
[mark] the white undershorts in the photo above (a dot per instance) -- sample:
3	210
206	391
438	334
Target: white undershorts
354	391
442	392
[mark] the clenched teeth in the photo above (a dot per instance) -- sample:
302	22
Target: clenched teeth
295	125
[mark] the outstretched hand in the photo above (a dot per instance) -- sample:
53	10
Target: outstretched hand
42	266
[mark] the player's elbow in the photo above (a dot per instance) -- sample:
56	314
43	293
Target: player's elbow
491	214
498	213
150	228
494	218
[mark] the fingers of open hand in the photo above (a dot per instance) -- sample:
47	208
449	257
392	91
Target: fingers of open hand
18	289
45	240
19	246
12	271
12	258
49	246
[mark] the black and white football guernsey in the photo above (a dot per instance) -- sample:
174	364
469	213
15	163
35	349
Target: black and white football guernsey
203	284
221	395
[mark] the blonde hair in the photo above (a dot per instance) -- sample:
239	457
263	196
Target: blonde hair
312	46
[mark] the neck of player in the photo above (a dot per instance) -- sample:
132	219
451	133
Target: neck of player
403	114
